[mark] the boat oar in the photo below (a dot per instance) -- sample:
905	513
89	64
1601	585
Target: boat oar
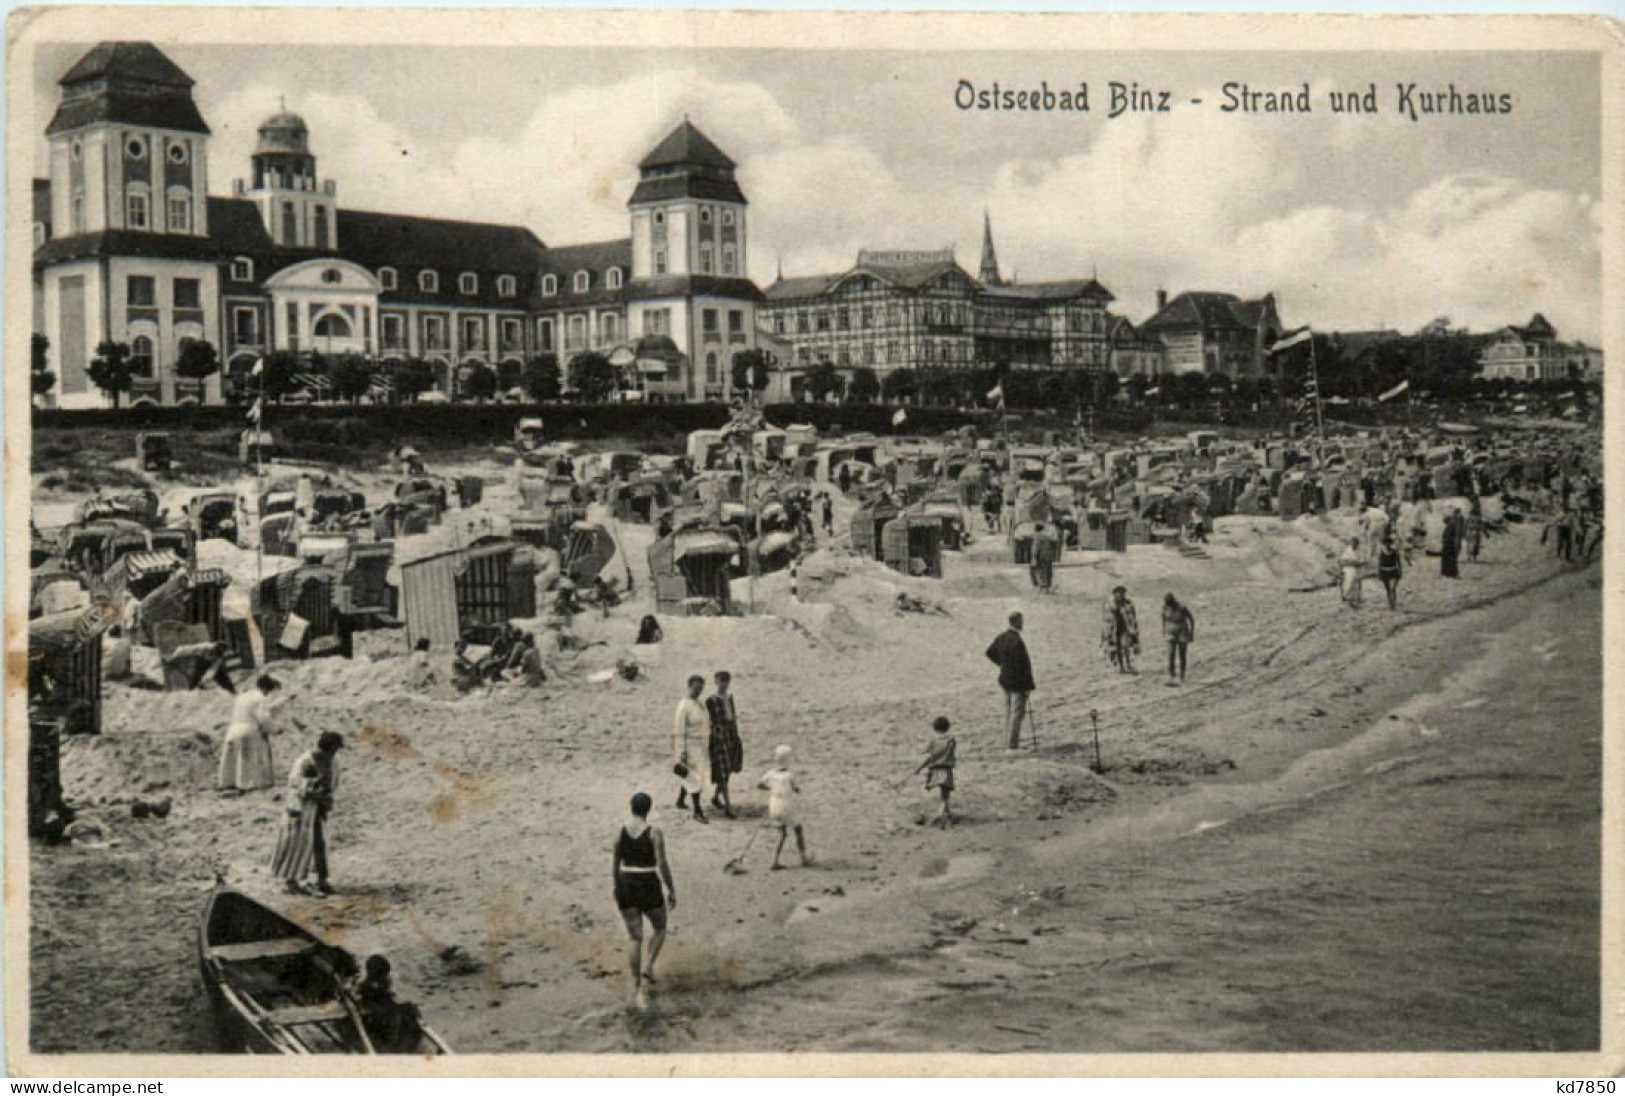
355	1018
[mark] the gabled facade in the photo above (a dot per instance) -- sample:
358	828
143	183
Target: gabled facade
1532	353
1204	332
921	310
129	247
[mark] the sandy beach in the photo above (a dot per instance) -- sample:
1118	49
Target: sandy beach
1320	842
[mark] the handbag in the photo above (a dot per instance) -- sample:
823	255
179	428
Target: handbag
681	770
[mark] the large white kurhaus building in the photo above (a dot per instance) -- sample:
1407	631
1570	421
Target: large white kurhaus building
130	247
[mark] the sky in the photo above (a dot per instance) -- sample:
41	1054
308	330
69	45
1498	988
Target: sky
1352	221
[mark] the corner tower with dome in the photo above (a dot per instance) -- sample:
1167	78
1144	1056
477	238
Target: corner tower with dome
130	247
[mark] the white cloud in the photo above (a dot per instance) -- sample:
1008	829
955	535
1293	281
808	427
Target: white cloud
1167	201
1164	203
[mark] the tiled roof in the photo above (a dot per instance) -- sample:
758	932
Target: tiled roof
1208	311
686	145
372	240
597	259
176	112
1053	291
152	245
128	82
664	188
908	275
792	289
450	248
697	285
911	275
133	60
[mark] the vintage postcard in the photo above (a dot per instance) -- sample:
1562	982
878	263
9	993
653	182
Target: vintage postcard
631	542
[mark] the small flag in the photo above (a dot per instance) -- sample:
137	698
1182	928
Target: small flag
1153	390
899	418
1294	339
997	393
1394	391
254	413
259	367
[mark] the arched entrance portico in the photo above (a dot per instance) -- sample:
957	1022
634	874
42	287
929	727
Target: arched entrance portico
327	305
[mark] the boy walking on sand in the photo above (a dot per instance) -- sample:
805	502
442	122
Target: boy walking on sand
782	790
939	767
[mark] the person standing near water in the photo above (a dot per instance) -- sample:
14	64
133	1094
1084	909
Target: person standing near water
246	763
782	789
640	868
302	844
939	767
692	727
1450	548
1009	652
1120	631
1179	627
1389	569
1352	565
726	752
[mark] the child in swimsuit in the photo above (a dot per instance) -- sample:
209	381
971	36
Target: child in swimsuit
782	789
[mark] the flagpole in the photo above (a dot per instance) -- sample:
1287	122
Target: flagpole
1320	421
259	481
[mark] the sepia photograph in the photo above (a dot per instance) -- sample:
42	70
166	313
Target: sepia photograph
862	537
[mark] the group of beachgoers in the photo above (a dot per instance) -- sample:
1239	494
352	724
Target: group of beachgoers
248	764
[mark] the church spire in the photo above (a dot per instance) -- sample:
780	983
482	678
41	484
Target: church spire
990	262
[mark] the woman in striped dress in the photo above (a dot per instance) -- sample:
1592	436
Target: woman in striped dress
302	844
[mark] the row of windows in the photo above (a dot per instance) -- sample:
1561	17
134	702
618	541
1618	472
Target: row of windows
709	318
136	149
138	208
144	358
242	270
393	334
947	352
705	216
141	291
581	281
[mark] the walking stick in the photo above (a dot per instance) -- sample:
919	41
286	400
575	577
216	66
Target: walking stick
1094	720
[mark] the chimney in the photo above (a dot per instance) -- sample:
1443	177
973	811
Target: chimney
1162	299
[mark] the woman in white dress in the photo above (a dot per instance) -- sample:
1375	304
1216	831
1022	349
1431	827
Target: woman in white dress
1352	565
245	758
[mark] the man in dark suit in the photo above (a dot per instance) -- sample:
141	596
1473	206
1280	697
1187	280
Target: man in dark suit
1009	651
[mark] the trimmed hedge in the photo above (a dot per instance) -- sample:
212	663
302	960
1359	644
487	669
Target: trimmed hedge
344	425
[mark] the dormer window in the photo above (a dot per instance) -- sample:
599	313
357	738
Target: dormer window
727	218
507	286
550	285
705	215
428	281
613	278
468	283
179	209
582	281
242	270
135	148
386	277
331	276
660	216
177	153
137	208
